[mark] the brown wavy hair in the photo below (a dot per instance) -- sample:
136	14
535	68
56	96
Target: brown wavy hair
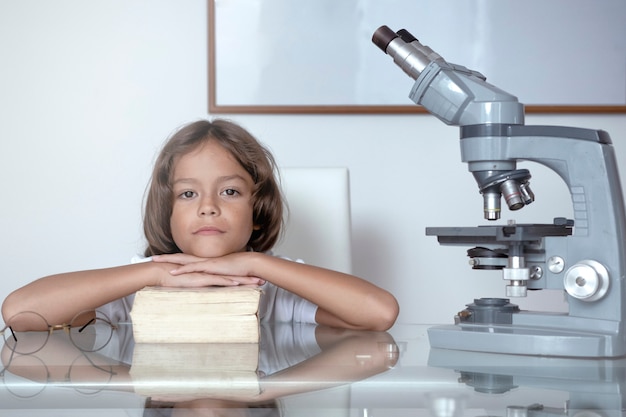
267	199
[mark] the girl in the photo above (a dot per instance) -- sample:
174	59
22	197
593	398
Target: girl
213	212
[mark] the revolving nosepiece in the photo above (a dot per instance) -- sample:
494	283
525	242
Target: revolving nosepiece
513	186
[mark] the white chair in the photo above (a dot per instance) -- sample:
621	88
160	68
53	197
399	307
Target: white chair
317	223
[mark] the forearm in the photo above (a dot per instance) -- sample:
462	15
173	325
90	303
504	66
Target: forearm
59	297
343	300
346	356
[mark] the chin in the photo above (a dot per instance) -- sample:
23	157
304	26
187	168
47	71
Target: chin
208	255
212	253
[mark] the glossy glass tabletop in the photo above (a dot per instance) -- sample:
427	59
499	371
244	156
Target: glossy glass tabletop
302	370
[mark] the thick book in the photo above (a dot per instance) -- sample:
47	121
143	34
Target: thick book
196	315
196	369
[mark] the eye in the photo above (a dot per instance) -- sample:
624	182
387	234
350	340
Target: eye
230	192
187	194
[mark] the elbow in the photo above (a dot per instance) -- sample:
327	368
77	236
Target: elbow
386	313
12	306
377	312
9	307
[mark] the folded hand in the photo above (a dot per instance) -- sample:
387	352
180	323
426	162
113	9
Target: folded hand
193	271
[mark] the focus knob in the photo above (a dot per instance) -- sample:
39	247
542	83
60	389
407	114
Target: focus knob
587	280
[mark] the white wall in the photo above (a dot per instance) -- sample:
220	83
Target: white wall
89	91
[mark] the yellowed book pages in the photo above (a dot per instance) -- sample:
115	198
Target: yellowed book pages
198	369
186	357
201	384
213	300
171	327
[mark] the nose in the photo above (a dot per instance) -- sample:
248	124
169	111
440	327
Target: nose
208	207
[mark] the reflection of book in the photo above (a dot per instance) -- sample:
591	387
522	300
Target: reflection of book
196	315
196	369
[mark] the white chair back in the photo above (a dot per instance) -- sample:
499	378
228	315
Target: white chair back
318	222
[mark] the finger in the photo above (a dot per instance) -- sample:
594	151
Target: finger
207	280
228	279
201	283
197	267
176	258
199	280
238	280
248	280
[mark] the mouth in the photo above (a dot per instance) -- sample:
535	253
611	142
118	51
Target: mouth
208	231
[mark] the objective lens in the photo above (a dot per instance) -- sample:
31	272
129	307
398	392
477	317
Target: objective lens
527	193
512	195
491	206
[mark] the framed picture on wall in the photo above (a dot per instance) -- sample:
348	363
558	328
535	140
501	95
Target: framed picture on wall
316	56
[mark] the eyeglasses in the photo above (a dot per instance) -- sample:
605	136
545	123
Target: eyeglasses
89	331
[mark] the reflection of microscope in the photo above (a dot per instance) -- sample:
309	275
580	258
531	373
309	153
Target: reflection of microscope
590	387
586	256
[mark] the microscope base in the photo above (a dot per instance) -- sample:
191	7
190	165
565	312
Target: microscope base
526	340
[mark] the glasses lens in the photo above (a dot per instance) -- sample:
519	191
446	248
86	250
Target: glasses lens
90	332
99	374
29	365
26	342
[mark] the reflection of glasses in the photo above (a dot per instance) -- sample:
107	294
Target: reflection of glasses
38	375
89	331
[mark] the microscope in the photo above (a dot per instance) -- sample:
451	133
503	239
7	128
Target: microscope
584	256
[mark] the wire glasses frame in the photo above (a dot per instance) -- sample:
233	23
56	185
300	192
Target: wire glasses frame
87	336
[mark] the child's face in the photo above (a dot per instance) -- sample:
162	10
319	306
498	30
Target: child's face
212	210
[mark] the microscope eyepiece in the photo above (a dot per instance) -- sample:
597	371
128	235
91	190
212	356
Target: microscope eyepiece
383	37
407	52
406	36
